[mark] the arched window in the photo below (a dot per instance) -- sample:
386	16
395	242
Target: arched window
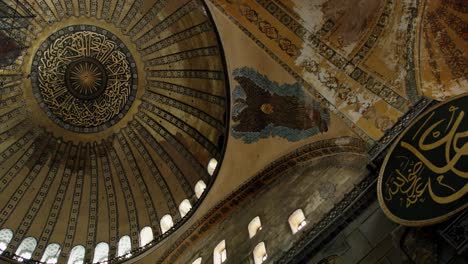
5	237
220	253
125	246
297	221
259	253
51	253
77	255
166	223
212	164
101	252
146	236
26	248
184	207
197	261
200	188
254	226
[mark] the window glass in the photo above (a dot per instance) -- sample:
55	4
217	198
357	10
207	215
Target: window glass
77	255
166	223
184	207
5	237
146	236
101	252
125	246
51	254
26	248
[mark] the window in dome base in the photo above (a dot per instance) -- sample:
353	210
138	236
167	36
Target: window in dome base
146	236
5	237
166	223
125	246
51	254
185	207
200	188
101	252
26	248
212	164
77	255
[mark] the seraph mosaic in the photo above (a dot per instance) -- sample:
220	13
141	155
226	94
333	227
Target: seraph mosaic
263	108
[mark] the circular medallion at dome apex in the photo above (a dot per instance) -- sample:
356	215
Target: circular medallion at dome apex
84	78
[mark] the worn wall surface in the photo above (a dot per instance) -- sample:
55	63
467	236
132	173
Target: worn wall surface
302	179
373	238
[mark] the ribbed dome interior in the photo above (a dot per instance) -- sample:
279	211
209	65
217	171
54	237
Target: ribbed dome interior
109	120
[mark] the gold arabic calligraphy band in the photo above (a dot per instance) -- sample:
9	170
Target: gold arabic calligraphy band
84	78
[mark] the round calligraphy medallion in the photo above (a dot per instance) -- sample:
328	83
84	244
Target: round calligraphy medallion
84	78
424	178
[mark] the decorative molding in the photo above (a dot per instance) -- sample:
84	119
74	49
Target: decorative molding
380	147
316	95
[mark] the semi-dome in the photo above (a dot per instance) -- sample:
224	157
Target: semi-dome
111	117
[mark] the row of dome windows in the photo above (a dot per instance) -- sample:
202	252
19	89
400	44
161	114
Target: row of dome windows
101	252
296	221
77	254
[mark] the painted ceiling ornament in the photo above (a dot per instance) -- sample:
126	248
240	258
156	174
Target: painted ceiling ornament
263	108
441	59
84	78
424	178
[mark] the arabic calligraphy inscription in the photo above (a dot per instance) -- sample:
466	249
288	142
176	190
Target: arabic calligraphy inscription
424	177
84	78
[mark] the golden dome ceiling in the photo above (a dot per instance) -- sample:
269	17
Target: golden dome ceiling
108	121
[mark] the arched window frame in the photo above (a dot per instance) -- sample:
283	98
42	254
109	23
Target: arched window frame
166	223
51	253
26	248
77	255
101	252
184	207
200	188
5	238
146	236
211	167
125	246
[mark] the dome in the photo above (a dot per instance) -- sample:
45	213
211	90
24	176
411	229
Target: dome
111	116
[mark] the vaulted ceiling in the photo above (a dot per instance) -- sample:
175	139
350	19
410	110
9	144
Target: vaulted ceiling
115	112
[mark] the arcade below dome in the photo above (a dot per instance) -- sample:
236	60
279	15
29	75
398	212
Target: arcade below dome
84	78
